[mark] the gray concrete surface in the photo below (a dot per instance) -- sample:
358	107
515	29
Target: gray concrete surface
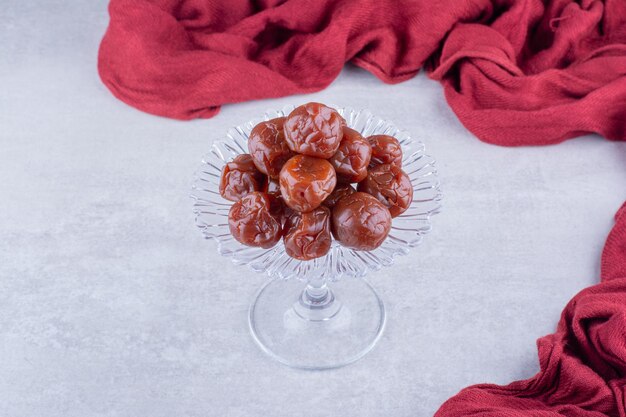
111	303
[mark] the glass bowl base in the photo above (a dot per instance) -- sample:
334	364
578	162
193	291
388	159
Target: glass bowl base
317	328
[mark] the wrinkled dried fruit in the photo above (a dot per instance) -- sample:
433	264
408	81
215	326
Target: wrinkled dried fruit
296	185
360	222
307	235
306	181
389	185
240	177
252	223
268	147
338	193
385	150
352	157
314	129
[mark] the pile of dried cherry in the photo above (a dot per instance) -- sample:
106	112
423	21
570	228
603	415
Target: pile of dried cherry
298	184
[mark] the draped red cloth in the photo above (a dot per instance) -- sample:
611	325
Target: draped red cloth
583	364
516	72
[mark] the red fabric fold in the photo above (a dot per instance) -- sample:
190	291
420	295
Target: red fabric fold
583	364
516	72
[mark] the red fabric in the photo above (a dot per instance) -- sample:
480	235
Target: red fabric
516	72
583	364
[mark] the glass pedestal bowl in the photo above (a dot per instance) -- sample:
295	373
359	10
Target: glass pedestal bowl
322	313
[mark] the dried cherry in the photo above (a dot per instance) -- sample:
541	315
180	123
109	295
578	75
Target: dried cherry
352	157
360	221
252	222
306	181
338	193
385	150
240	177
391	186
314	129
268	147
307	235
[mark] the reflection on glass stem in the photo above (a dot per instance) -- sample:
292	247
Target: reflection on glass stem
317	301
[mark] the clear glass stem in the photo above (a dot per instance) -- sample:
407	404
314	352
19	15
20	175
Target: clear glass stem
317	302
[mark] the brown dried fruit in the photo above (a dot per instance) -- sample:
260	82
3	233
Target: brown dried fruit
360	222
352	157
268	147
252	223
389	185
307	235
240	178
385	150
306	181
338	193
314	129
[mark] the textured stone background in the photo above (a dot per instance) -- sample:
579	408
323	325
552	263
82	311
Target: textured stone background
111	303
